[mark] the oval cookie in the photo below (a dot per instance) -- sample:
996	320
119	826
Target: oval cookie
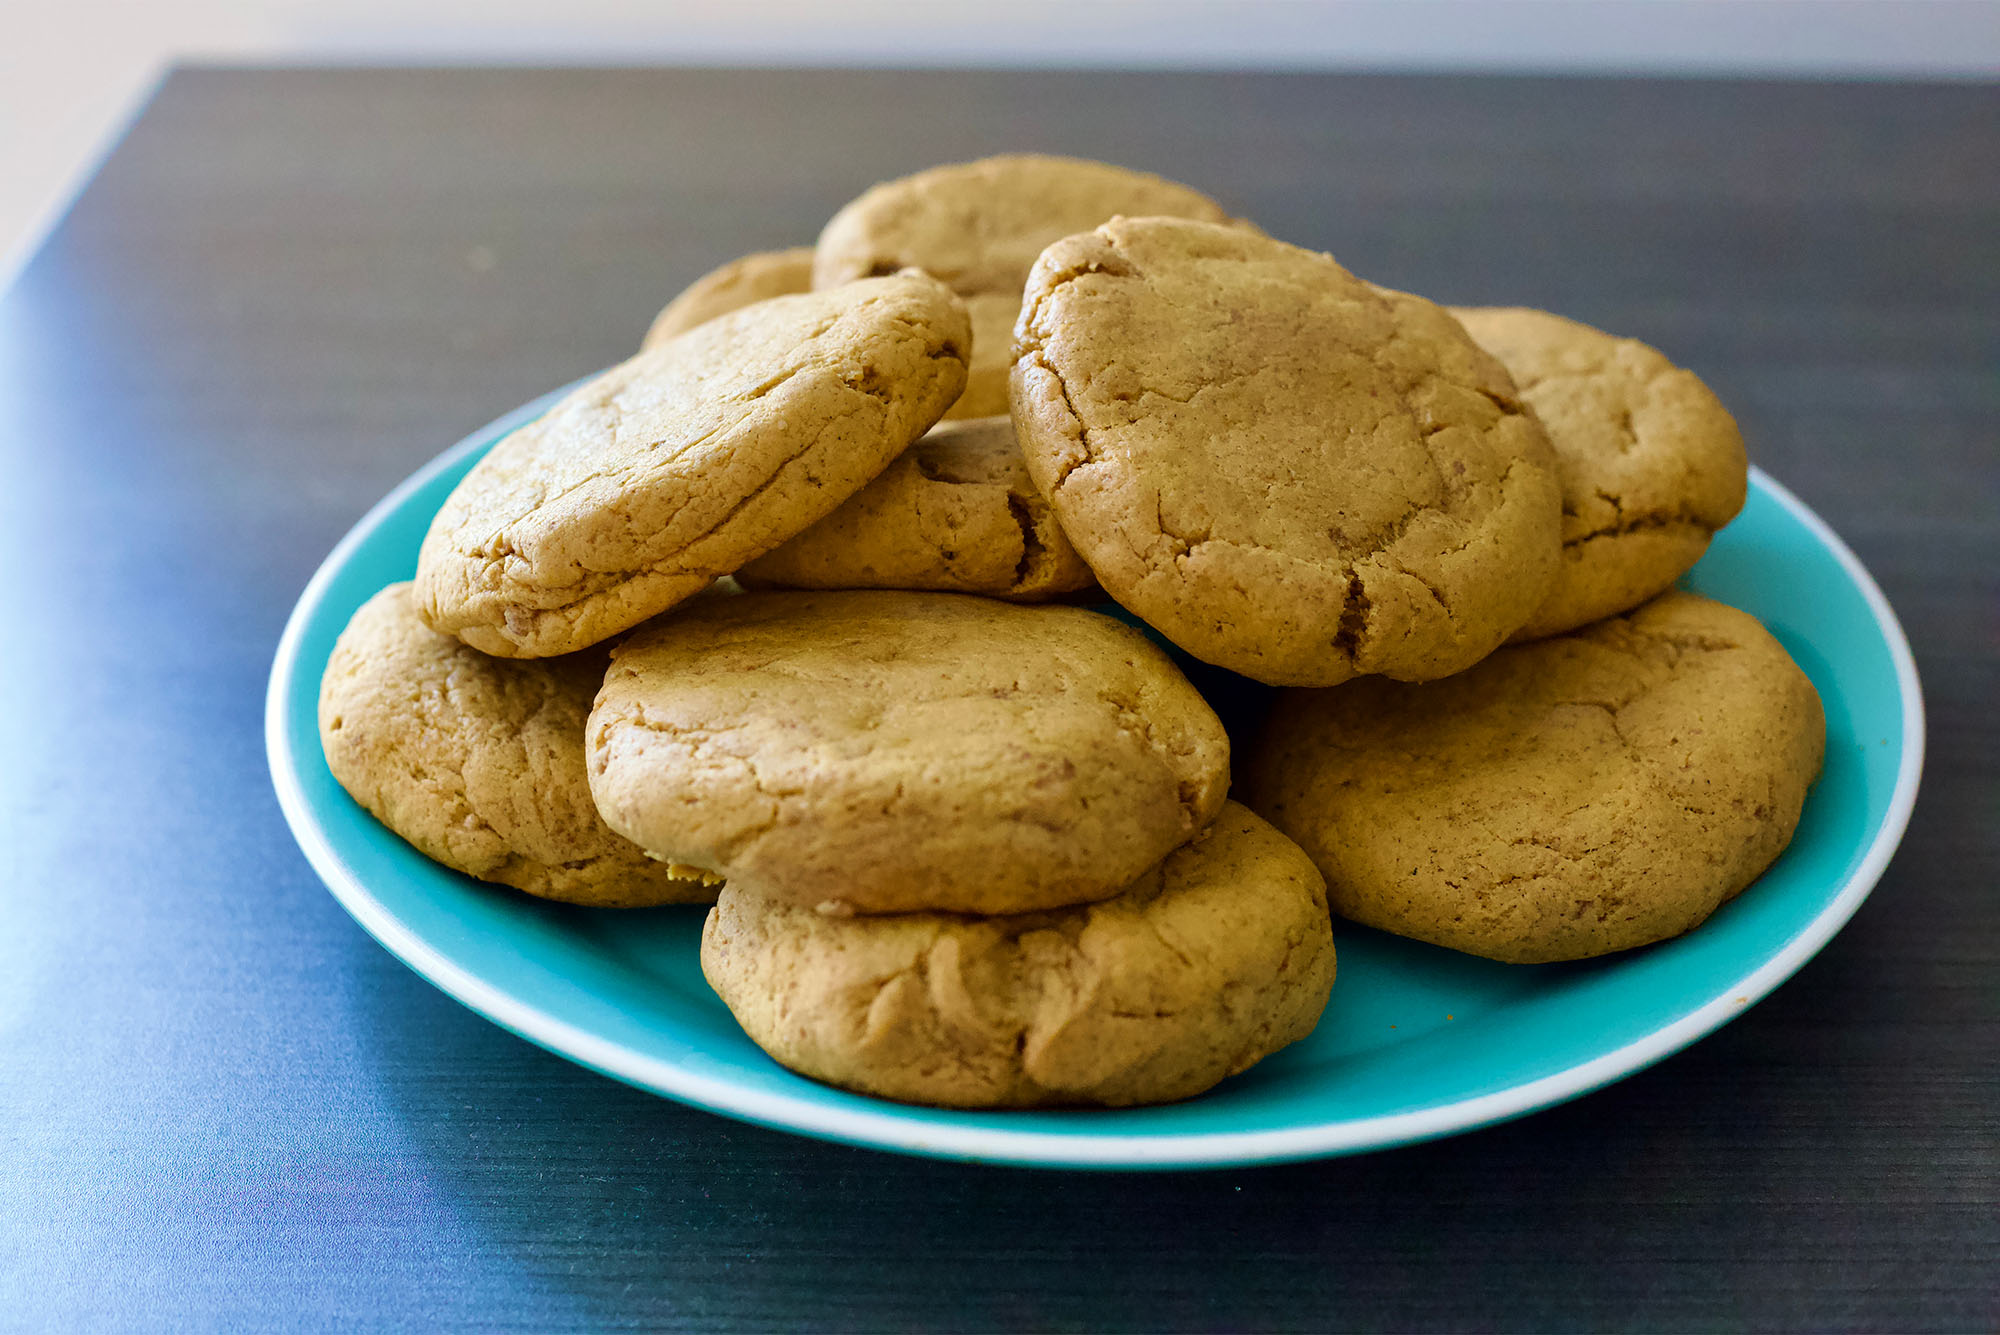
1578	795
1287	472
641	487
1213	959
955	513
978	226
478	762
1651	463
881	752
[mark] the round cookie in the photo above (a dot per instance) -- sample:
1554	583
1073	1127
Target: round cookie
1286	471
687	461
478	762
881	752
979	226
1651	463
1214	958
739	283
1566	798
957	512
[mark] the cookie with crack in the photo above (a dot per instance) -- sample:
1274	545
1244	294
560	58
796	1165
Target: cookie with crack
1211	960
684	463
880	752
979	226
1566	798
957	512
739	283
1286	471
478	761
1651	462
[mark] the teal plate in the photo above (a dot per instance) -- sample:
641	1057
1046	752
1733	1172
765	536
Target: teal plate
1418	1042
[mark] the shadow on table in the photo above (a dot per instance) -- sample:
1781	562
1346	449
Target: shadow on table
598	1205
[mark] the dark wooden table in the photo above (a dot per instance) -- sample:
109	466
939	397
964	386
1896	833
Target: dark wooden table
222	1105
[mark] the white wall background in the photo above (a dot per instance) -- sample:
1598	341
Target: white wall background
72	71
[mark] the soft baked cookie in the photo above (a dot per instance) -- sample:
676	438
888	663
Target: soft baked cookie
479	762
1566	798
1286	471
979	226
957	512
687	461
1209	961
739	283
1651	463
879	752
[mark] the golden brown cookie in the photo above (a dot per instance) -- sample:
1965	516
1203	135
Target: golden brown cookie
955	513
1287	472
1212	959
1566	798
479	761
689	460
1651	462
739	283
881	752
978	226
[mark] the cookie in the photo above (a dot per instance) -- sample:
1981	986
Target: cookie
1286	471
956	513
686	462
1650	461
880	752
1214	958
739	283
1566	798
979	226
478	761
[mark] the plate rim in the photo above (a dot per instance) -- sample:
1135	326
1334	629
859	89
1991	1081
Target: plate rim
887	1129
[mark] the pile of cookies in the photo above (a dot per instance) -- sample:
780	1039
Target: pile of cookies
786	614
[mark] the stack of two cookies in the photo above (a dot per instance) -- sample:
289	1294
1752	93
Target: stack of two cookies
975	854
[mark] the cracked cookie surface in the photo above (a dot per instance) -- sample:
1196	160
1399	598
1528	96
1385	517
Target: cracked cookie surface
978	226
1286	471
691	459
739	283
880	752
1211	960
1651	463
956	512
1565	798
478	761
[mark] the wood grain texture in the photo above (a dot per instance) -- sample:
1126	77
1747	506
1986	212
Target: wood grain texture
222	1105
